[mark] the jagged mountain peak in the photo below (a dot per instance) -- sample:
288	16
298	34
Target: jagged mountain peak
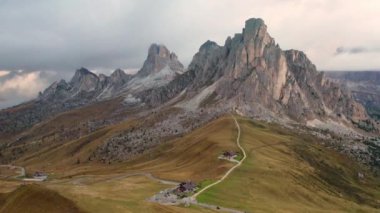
55	88
160	67
84	80
158	58
118	73
158	49
253	25
208	45
119	77
83	71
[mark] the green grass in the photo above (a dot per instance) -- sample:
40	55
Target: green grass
239	156
204	183
286	172
98	194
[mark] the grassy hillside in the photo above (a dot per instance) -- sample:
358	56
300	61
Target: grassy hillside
286	172
35	199
194	156
110	188
112	193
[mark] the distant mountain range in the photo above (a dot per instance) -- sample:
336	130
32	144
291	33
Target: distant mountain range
365	87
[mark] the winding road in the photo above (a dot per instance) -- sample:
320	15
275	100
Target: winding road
229	171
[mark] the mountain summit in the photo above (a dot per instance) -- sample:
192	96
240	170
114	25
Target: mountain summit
252	74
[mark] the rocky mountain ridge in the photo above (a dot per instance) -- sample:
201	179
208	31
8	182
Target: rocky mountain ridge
85	88
160	67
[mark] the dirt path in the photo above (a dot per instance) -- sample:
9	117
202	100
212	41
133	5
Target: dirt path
148	175
229	171
193	200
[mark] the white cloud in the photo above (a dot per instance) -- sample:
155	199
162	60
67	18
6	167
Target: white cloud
27	85
131	71
3	73
21	86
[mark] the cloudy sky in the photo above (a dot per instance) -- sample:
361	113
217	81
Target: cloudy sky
43	40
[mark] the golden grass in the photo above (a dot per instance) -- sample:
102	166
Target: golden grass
97	188
8	185
8	172
108	193
193	157
284	172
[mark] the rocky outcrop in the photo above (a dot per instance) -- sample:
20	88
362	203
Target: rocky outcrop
110	86
158	58
119	78
58	90
84	81
160	68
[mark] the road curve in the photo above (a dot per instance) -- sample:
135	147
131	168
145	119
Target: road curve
229	171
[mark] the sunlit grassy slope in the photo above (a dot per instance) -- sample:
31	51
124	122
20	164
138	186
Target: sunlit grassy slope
193	157
114	194
286	172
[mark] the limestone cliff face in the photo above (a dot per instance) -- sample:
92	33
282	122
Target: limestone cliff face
252	70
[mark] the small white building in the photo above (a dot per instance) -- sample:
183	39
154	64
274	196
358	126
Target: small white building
40	176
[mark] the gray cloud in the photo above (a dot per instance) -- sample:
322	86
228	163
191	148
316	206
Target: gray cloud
355	50
19	86
64	35
102	35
